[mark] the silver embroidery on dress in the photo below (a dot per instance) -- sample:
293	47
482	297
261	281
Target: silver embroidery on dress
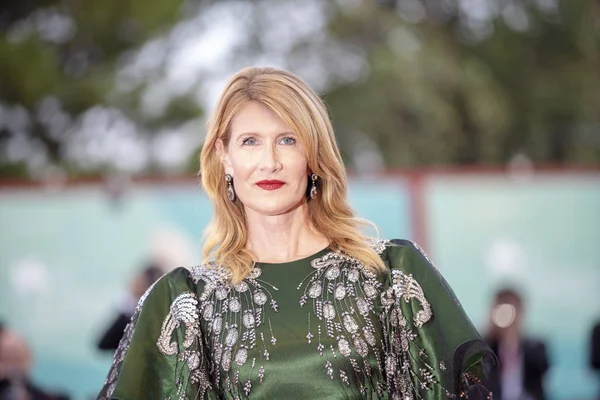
406	287
408	375
343	292
183	310
232	318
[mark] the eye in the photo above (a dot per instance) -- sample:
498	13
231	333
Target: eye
288	141
249	141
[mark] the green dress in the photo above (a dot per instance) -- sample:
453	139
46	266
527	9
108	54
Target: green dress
323	327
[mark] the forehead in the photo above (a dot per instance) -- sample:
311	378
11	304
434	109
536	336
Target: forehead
257	118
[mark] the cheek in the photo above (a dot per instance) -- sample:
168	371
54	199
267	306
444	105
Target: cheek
297	163
241	164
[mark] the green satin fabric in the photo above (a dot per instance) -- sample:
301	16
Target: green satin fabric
295	369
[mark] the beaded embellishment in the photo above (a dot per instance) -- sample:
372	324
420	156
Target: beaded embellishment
343	293
234	319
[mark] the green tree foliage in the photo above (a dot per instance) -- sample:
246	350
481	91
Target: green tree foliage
448	85
408	82
59	59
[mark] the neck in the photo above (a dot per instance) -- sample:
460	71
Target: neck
283	238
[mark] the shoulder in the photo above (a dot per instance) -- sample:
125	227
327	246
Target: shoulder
408	263
386	246
402	254
179	277
199	275
404	246
196	279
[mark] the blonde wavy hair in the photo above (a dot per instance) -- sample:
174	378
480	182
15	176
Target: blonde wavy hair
225	239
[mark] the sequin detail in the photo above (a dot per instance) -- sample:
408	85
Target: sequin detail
408	375
343	292
183	311
235	323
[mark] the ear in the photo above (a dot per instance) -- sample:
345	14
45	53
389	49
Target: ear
224	156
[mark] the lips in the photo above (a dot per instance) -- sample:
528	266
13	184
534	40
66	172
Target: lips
270	184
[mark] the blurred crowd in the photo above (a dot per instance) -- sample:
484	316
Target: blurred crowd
523	360
17	360
16	363
109	340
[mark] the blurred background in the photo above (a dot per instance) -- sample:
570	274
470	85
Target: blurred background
469	126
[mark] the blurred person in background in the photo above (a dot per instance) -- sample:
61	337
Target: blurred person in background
523	361
379	320
16	362
141	282
595	350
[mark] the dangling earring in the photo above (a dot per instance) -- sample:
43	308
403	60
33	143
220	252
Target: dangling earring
313	189
230	190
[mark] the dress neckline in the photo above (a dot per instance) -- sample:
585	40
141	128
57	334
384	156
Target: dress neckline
299	261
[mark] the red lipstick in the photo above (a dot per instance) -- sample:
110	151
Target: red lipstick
270	184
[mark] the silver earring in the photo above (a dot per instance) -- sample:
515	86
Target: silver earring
313	188
230	190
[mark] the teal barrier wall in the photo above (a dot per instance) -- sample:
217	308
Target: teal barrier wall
67	257
542	236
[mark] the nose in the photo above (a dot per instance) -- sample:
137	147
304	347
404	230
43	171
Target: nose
270	159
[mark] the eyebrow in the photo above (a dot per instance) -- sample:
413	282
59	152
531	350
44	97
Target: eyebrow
246	134
258	134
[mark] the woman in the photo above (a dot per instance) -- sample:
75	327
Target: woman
293	301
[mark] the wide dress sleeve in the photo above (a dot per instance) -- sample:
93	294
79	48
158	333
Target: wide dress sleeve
433	351
162	354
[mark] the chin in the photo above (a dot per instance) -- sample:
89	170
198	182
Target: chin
272	208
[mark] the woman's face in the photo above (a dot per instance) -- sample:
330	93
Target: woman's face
267	162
